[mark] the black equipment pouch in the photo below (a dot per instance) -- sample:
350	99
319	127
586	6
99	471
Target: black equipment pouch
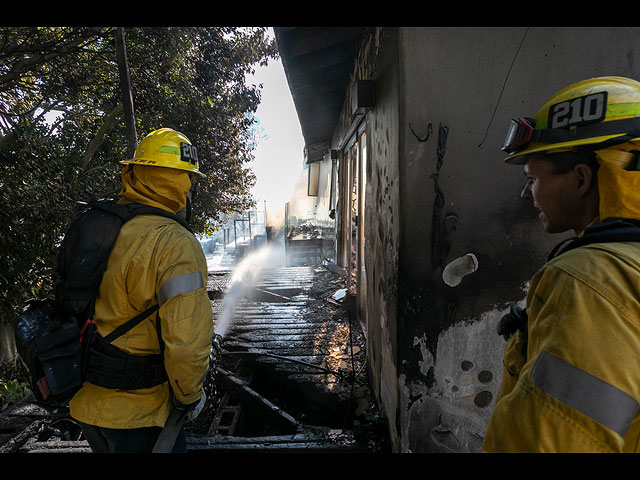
59	355
51	351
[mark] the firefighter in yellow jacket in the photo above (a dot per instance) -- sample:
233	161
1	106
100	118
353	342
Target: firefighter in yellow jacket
154	260
571	380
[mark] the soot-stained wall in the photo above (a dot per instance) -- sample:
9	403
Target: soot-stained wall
378	60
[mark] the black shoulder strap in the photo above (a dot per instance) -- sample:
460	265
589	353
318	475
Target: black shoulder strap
125	327
616	231
127	211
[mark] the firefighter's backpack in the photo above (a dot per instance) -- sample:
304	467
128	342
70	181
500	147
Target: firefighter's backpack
56	339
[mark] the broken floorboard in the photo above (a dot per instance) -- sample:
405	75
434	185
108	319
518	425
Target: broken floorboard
42	435
313	440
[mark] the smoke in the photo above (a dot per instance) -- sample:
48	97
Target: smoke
300	204
244	278
274	217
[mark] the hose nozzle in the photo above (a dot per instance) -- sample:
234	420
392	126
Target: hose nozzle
217	343
216	350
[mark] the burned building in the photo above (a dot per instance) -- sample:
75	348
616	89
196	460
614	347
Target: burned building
405	126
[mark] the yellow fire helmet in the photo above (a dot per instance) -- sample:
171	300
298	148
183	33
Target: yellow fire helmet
166	148
595	114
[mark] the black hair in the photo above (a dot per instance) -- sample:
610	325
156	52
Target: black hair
564	162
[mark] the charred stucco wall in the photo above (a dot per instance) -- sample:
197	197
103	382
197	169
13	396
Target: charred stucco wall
468	243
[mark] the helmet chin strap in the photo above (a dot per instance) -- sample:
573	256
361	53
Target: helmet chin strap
187	210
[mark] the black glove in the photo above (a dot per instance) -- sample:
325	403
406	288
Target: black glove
513	321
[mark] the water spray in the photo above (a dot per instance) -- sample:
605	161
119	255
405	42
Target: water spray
244	278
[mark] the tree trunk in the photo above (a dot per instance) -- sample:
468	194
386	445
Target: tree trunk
125	87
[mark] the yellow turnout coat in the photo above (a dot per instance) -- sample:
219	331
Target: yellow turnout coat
574	384
153	260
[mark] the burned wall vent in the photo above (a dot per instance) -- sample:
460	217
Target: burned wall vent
363	96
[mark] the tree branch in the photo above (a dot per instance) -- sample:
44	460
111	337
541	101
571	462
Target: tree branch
99	138
22	65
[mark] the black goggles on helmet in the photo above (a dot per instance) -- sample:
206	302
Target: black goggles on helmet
519	134
522	131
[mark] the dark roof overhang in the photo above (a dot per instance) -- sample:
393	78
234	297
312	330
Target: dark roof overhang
318	63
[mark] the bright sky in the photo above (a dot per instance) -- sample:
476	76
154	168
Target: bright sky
279	156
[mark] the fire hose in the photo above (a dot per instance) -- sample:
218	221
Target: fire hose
170	431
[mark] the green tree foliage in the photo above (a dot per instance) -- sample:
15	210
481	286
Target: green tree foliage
187	78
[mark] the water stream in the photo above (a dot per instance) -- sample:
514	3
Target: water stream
244	278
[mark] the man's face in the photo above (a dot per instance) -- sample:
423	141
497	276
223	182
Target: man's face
554	194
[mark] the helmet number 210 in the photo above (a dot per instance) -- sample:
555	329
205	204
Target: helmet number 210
188	153
578	111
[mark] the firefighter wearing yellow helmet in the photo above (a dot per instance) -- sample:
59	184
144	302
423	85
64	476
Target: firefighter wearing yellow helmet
571	381
154	259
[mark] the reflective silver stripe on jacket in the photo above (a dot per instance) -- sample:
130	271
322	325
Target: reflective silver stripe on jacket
597	399
178	285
